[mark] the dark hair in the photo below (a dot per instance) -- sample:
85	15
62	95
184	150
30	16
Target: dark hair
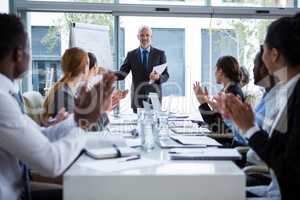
284	35
13	35
230	67
245	76
260	70
93	60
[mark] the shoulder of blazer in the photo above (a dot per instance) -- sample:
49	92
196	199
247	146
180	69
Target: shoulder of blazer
133	52
155	50
236	90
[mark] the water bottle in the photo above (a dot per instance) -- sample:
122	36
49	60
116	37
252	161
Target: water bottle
147	131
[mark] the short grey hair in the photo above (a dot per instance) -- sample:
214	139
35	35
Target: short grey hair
143	27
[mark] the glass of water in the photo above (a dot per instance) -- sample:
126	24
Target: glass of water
163	127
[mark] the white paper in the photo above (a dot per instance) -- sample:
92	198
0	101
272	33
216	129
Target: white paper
205	153
191	130
201	140
119	164
158	69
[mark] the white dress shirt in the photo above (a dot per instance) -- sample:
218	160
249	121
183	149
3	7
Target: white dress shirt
48	150
279	123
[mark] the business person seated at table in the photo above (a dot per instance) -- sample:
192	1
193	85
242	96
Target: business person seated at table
75	67
140	62
259	185
94	69
228	74
279	147
252	93
23	144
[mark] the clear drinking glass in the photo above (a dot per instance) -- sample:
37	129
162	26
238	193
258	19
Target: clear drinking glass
163	127
147	129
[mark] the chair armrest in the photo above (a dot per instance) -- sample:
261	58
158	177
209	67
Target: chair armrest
242	149
35	177
256	169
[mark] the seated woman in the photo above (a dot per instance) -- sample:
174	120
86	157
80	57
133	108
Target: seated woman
279	147
228	74
75	67
116	97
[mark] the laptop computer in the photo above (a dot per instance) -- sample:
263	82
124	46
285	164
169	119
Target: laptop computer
156	105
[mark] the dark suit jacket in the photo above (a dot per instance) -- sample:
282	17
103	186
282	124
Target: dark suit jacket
281	151
140	78
214	119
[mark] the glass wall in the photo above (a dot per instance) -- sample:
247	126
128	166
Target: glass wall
4	6
237	3
193	46
254	3
50	37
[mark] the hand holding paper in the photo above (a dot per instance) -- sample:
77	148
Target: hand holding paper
156	72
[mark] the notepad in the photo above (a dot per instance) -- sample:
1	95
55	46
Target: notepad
205	154
104	153
196	140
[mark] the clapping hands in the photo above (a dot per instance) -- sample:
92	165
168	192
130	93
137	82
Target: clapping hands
91	103
201	95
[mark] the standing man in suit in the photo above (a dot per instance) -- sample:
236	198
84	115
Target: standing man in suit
140	62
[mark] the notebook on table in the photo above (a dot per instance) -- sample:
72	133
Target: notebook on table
205	154
112	152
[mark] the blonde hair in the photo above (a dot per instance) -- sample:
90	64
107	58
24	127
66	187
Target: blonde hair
73	63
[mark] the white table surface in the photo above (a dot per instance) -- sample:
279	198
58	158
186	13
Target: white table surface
172	180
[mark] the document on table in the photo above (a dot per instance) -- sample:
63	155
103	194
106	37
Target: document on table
158	69
119	164
199	140
191	130
204	154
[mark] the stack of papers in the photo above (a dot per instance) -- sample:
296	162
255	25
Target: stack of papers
170	143
196	140
205	154
191	130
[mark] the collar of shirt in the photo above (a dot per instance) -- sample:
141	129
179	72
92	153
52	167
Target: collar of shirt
7	85
290	85
142	49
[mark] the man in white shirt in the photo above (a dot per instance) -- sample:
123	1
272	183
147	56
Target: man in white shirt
51	150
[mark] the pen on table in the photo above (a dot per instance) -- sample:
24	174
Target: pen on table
132	158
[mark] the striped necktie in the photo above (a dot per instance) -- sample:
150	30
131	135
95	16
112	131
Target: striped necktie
26	195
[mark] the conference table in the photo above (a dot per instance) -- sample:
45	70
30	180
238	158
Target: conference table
153	177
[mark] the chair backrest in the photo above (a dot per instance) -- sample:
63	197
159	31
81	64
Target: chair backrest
33	101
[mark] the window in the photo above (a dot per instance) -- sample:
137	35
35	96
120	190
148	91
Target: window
45	60
222	42
175	54
167	2
192	46
4	6
50	36
254	3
